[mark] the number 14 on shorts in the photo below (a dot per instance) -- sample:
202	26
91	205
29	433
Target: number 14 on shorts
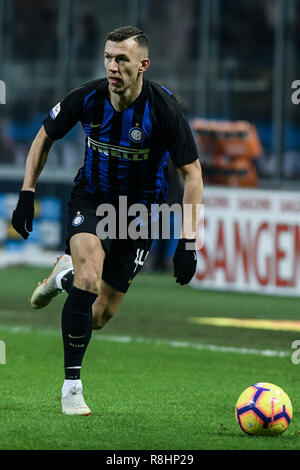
140	258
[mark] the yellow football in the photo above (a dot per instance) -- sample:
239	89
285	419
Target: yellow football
263	409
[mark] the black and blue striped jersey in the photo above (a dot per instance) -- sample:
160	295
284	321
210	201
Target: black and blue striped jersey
126	152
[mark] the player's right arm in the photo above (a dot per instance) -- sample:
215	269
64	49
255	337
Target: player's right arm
60	120
23	215
36	159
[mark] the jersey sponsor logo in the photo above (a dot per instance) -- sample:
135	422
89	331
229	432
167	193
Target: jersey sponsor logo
55	111
118	151
78	219
136	134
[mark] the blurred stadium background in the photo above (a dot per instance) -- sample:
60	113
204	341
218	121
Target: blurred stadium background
226	61
231	64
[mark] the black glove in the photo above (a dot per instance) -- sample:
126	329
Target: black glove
23	215
185	261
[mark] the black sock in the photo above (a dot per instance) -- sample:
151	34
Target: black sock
67	281
76	329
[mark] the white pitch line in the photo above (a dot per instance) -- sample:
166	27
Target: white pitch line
159	342
197	346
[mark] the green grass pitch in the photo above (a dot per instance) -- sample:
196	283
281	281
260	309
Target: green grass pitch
152	379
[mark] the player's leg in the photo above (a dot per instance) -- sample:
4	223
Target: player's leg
62	278
123	263
88	257
50	287
120	267
81	218
106	305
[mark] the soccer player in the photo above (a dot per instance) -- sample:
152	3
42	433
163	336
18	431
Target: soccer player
132	127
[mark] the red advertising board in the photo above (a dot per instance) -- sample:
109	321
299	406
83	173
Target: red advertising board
251	241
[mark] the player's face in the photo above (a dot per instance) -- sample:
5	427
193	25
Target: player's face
124	62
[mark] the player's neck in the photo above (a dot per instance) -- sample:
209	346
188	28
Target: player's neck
120	102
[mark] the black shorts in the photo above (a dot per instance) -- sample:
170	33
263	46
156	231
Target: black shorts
124	257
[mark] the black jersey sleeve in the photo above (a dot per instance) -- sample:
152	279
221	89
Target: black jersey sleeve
63	116
180	140
175	130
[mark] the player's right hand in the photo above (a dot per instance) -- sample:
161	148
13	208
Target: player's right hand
23	214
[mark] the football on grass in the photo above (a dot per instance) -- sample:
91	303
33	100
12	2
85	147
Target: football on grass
263	409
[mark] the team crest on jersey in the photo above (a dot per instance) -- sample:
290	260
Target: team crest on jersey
78	219
55	111
136	134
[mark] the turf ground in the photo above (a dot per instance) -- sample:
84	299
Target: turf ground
153	379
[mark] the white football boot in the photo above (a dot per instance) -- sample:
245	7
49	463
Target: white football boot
72	403
48	289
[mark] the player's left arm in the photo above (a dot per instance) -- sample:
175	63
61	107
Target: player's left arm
185	258
192	197
181	144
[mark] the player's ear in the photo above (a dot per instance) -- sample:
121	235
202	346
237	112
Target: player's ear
145	64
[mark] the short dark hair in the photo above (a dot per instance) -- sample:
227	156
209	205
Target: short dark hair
126	32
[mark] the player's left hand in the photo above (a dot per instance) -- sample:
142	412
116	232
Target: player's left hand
185	261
